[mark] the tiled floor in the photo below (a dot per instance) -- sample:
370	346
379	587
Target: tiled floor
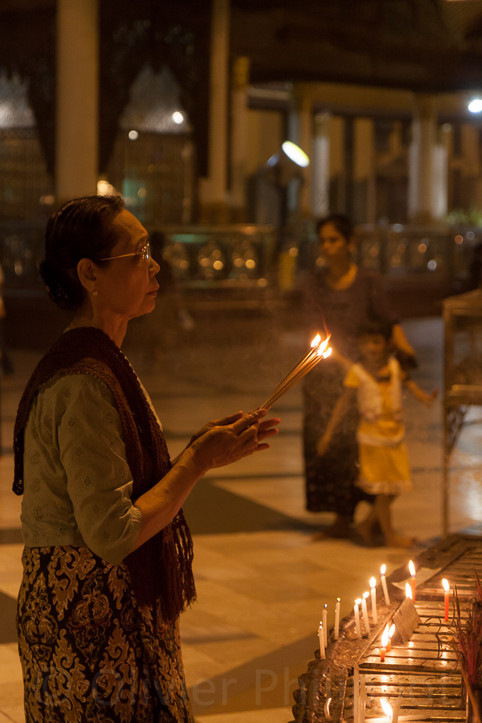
261	581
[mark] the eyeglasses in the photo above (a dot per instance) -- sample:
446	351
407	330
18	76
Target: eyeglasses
143	254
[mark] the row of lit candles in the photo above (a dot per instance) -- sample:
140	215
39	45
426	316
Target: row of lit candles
389	629
391	713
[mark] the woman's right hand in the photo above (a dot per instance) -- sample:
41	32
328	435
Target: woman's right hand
223	444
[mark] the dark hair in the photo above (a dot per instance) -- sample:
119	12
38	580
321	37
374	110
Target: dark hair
81	228
378	326
342	223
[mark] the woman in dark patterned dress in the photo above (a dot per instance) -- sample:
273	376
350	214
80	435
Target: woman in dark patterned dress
108	553
340	297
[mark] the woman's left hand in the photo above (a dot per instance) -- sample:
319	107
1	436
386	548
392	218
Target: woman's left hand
224	443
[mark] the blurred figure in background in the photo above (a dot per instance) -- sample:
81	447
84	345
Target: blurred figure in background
340	297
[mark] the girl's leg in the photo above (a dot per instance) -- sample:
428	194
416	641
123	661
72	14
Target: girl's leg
382	508
366	528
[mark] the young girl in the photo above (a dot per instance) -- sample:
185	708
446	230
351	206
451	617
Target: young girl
384	468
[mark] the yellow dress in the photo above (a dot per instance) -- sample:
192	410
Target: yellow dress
384	464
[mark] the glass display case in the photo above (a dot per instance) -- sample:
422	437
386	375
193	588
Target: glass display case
462	374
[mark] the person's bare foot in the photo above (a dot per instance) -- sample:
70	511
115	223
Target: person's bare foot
401	541
365	530
340	529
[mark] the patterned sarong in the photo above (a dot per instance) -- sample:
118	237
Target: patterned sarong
89	653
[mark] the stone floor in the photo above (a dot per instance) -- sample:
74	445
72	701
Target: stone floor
262	582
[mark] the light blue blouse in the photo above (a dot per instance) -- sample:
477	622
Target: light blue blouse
77	483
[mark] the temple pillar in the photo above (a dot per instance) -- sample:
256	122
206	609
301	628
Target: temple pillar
77	80
300	131
422	161
239	137
213	189
470	166
337	189
364	199
320	166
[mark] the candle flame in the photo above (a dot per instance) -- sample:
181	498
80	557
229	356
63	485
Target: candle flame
358	601
408	590
387	708
391	631
373	582
385	636
365	595
411	567
383	569
445	584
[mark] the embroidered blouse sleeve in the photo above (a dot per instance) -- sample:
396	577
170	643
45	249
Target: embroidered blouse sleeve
99	481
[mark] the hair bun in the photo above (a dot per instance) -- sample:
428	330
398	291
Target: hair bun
52	280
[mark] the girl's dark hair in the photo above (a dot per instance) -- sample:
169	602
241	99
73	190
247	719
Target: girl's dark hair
81	228
342	223
375	325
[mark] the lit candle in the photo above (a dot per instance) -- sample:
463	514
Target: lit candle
384	643
357	617
365	612
411	567
446	587
337	618
324	617
321	638
383	570
387	709
373	591
408	591
390	636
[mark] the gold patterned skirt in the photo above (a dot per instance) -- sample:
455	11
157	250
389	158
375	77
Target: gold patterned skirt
88	652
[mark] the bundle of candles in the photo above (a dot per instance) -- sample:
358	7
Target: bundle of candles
318	350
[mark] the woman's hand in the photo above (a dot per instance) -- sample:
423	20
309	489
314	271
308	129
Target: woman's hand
224	441
216	423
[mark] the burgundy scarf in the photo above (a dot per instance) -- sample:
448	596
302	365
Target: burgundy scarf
162	566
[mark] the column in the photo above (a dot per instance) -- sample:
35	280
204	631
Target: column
77	79
470	166
320	166
364	171
300	131
337	191
421	160
239	137
213	189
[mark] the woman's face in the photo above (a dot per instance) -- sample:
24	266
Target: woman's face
333	245
127	287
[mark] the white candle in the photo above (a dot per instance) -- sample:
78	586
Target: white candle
408	591
324	618
383	570
357	617
337	618
321	638
387	709
373	591
411	567
365	612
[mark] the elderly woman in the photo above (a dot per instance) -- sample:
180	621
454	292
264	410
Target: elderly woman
108	553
